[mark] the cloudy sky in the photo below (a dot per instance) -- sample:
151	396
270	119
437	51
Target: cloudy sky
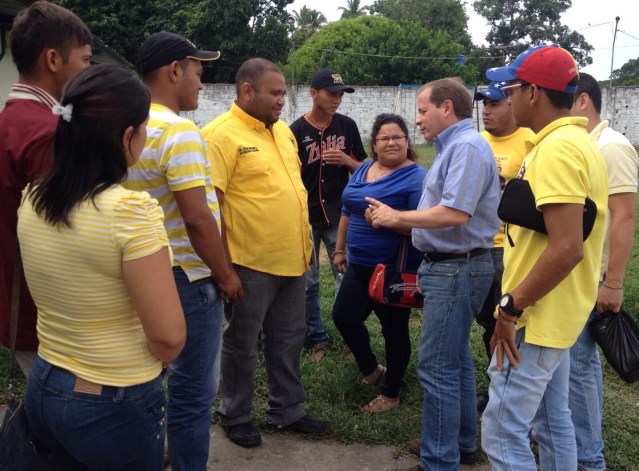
594	19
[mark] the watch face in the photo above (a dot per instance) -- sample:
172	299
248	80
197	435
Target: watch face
504	301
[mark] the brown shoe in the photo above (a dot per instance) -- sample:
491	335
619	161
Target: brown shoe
414	446
319	352
375	377
381	404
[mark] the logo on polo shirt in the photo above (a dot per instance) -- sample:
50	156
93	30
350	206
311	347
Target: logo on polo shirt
308	139
248	150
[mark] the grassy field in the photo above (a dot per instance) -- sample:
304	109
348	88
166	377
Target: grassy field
335	391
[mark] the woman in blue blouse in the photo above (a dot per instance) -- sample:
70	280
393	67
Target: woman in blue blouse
395	178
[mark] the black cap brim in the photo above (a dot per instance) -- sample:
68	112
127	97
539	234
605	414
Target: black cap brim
340	88
205	56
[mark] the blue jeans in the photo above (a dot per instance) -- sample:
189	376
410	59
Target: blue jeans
315	332
454	291
530	400
586	400
350	311
118	428
194	376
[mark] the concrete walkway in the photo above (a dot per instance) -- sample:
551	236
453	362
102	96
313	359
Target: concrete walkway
281	451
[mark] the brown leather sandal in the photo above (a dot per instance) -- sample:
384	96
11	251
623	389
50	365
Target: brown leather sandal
381	404
375	377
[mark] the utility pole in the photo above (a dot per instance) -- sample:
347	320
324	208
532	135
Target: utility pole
612	59
612	64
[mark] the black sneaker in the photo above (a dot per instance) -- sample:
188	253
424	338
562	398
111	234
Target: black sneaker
303	425
468	457
244	435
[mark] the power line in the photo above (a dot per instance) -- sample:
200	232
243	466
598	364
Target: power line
384	56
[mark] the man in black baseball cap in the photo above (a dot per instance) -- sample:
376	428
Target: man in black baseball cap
330	149
175	170
163	48
331	80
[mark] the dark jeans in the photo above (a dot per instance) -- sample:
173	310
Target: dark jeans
486	317
350	311
119	428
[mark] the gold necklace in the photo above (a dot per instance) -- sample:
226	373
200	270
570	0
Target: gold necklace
379	175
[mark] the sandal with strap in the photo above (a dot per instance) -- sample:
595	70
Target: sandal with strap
375	377
381	404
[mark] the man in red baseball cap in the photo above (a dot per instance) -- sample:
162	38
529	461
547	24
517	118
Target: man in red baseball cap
550	280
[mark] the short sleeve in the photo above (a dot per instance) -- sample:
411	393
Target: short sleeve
137	226
623	168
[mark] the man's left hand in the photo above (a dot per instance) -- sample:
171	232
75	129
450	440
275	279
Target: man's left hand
609	299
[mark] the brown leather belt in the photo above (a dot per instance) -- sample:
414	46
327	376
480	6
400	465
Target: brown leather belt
441	256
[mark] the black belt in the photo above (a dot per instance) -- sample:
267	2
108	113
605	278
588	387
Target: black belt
440	256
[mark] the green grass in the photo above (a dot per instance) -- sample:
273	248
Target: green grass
335	392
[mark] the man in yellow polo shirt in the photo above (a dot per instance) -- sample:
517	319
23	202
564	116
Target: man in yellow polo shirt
257	176
550	280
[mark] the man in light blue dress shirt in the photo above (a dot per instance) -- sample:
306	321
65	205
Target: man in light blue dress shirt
454	225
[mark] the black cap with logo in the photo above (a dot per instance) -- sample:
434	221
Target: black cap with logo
162	48
330	80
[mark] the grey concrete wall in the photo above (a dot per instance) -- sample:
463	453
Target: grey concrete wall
621	106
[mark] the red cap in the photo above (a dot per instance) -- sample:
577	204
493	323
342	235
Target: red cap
550	67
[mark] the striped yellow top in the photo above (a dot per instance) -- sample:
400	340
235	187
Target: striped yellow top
86	322
174	159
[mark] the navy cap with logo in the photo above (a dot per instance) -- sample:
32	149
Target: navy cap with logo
331	80
491	93
162	48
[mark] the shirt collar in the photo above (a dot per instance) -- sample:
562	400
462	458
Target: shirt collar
21	91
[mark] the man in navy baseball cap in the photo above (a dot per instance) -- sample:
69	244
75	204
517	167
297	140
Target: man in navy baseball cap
162	48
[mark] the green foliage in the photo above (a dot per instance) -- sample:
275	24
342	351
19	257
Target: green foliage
240	29
518	24
373	50
447	15
353	9
307	23
628	74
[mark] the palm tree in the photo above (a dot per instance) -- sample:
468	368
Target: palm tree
308	20
353	9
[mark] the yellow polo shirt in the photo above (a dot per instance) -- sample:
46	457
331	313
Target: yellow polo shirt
563	165
509	153
265	209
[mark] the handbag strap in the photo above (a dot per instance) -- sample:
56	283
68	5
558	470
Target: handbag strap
401	257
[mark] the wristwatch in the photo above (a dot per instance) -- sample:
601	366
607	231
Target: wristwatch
506	303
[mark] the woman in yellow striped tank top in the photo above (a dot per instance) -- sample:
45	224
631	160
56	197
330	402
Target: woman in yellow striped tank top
98	266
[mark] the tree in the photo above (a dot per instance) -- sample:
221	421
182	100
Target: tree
307	22
447	15
353	9
240	29
628	74
517	24
373	50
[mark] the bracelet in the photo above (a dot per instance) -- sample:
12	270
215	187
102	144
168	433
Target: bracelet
612	287
336	252
507	320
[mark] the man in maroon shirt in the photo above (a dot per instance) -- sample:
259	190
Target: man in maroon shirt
48	44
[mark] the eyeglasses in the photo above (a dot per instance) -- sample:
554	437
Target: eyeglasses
386	139
508	89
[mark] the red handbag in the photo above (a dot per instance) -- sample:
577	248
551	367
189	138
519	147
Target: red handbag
394	283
